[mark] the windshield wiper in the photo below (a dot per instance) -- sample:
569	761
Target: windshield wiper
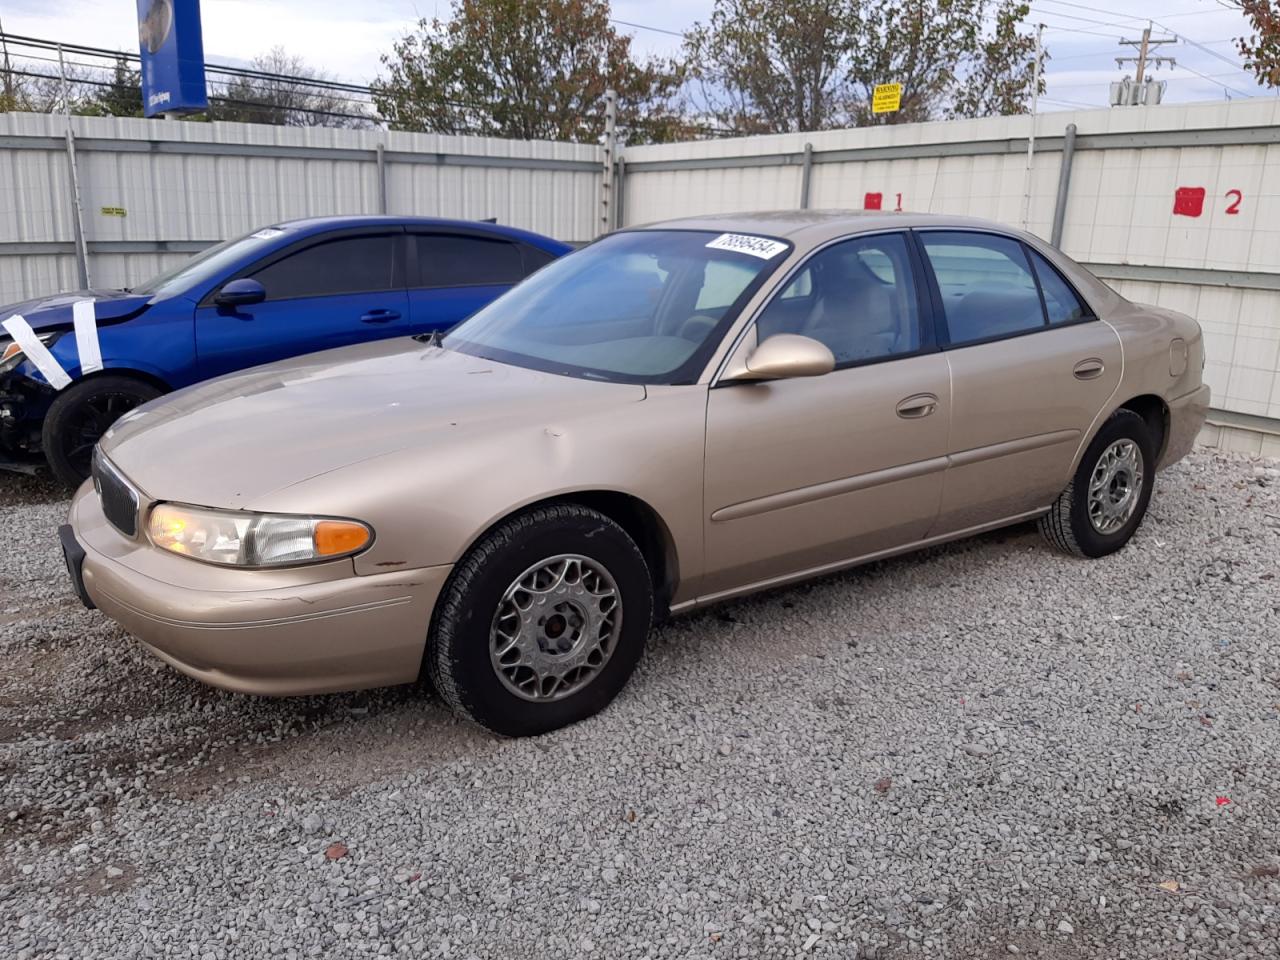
431	339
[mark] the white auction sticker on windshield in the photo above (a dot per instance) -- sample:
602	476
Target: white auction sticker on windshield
761	247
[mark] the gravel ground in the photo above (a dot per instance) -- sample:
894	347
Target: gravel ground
983	750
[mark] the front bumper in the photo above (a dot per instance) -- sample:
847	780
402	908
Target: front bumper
286	632
1186	416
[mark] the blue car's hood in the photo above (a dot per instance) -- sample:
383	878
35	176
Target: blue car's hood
45	313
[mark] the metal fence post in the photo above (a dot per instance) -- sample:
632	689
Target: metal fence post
1064	185
619	207
382	179
806	176
82	247
610	150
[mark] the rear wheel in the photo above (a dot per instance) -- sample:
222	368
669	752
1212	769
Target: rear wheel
1107	498
542	623
79	417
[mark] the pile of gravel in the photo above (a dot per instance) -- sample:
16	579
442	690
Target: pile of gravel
984	750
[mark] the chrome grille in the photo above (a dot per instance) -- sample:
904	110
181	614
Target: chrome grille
119	500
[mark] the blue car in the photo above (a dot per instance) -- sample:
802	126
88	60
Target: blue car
71	364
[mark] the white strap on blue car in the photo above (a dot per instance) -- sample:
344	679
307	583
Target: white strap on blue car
87	336
86	328
18	328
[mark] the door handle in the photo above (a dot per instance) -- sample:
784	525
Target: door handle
1090	369
915	407
380	316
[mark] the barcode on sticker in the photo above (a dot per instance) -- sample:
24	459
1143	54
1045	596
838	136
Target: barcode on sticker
761	247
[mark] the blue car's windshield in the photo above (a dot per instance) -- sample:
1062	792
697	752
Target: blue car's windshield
208	265
647	306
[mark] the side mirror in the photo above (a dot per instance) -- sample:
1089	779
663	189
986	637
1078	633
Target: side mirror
241	293
786	355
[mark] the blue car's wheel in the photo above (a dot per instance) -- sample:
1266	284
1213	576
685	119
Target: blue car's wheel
81	415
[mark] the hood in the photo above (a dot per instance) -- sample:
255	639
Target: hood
47	313
229	441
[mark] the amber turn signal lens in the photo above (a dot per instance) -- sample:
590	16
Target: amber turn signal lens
333	537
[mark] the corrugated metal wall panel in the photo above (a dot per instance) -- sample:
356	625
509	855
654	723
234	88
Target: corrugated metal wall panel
204	198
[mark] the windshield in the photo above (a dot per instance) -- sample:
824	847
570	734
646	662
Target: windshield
209	264
647	306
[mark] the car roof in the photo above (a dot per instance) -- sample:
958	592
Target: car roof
310	225
816	226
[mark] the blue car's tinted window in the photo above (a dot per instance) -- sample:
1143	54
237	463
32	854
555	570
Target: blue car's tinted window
457	261
644	306
208	265
346	265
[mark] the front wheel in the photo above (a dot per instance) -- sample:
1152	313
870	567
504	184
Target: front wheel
79	417
1107	498
542	623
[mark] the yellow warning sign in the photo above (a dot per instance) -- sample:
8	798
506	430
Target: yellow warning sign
114	212
886	98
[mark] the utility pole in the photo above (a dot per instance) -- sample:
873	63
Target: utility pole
1139	91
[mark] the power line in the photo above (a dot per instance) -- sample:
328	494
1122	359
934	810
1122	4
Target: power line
641	26
1071	103
1213	53
1070	16
1205	76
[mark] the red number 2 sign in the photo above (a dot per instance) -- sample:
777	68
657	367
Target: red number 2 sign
1234	206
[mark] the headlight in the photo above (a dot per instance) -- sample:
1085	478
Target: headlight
11	354
239	539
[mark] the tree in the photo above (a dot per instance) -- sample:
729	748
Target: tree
786	65
123	98
285	98
770	67
1002	71
526	70
34	89
1261	50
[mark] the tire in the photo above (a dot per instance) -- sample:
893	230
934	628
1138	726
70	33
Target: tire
561	551
1070	524
79	417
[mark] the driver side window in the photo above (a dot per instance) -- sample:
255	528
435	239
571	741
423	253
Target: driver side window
858	297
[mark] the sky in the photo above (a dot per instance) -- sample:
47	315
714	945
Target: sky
347	37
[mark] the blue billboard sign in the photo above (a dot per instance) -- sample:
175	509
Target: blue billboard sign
172	57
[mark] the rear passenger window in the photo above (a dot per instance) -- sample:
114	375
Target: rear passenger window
987	287
348	265
1060	301
457	261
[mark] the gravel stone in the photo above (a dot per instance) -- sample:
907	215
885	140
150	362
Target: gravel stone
789	775
313	823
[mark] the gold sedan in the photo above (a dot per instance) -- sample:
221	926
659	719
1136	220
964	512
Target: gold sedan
674	415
